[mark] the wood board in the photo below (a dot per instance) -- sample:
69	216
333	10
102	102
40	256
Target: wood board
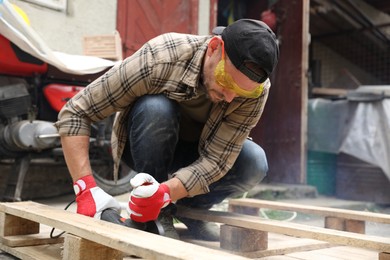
381	244
322	211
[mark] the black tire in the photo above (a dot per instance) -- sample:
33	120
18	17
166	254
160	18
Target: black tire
105	179
102	162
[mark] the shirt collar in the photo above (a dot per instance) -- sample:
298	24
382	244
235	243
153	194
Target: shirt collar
193	71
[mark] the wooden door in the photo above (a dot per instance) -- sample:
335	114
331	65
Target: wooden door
141	20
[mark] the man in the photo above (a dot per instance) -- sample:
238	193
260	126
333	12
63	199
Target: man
186	107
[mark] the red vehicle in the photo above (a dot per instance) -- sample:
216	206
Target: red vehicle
32	92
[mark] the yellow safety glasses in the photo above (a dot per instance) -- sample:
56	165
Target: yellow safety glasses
225	80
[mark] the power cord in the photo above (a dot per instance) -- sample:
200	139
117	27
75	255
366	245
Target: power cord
52	230
264	214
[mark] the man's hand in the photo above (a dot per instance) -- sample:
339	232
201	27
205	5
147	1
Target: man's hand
147	198
92	200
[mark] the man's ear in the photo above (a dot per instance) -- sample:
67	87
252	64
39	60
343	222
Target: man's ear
213	45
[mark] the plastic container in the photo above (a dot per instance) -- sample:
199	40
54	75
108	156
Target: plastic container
321	171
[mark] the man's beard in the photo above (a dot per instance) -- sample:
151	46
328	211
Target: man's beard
206	87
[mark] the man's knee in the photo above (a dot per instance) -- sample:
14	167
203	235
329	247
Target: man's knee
155	106
252	163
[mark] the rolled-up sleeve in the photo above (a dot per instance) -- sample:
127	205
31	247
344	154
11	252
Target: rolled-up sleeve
114	91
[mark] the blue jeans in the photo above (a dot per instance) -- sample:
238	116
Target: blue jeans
154	147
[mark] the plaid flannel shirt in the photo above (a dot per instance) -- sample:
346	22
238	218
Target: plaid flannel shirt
170	64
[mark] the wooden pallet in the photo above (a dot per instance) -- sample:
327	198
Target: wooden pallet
242	237
86	238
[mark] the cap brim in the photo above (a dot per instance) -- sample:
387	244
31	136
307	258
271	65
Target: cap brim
218	30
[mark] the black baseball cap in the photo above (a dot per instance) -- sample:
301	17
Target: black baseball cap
251	46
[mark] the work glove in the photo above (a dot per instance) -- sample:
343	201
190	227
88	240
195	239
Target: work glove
92	200
147	198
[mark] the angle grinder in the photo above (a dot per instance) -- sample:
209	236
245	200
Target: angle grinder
113	216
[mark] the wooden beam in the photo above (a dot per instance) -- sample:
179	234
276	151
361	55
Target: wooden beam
384	256
77	248
30	240
243	239
41	252
13	225
381	244
349	225
324	211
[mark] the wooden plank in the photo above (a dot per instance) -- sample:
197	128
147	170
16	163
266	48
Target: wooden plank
324	211
278	245
279	257
381	244
127	240
343	252
41	252
290	246
30	240
352	252
287	247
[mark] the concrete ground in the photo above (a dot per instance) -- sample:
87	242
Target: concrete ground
303	195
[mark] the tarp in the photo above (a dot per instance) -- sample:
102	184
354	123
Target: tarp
14	28
327	124
359	129
368	136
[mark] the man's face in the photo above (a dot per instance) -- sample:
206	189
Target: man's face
230	82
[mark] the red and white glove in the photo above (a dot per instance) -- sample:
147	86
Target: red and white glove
147	198
92	200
